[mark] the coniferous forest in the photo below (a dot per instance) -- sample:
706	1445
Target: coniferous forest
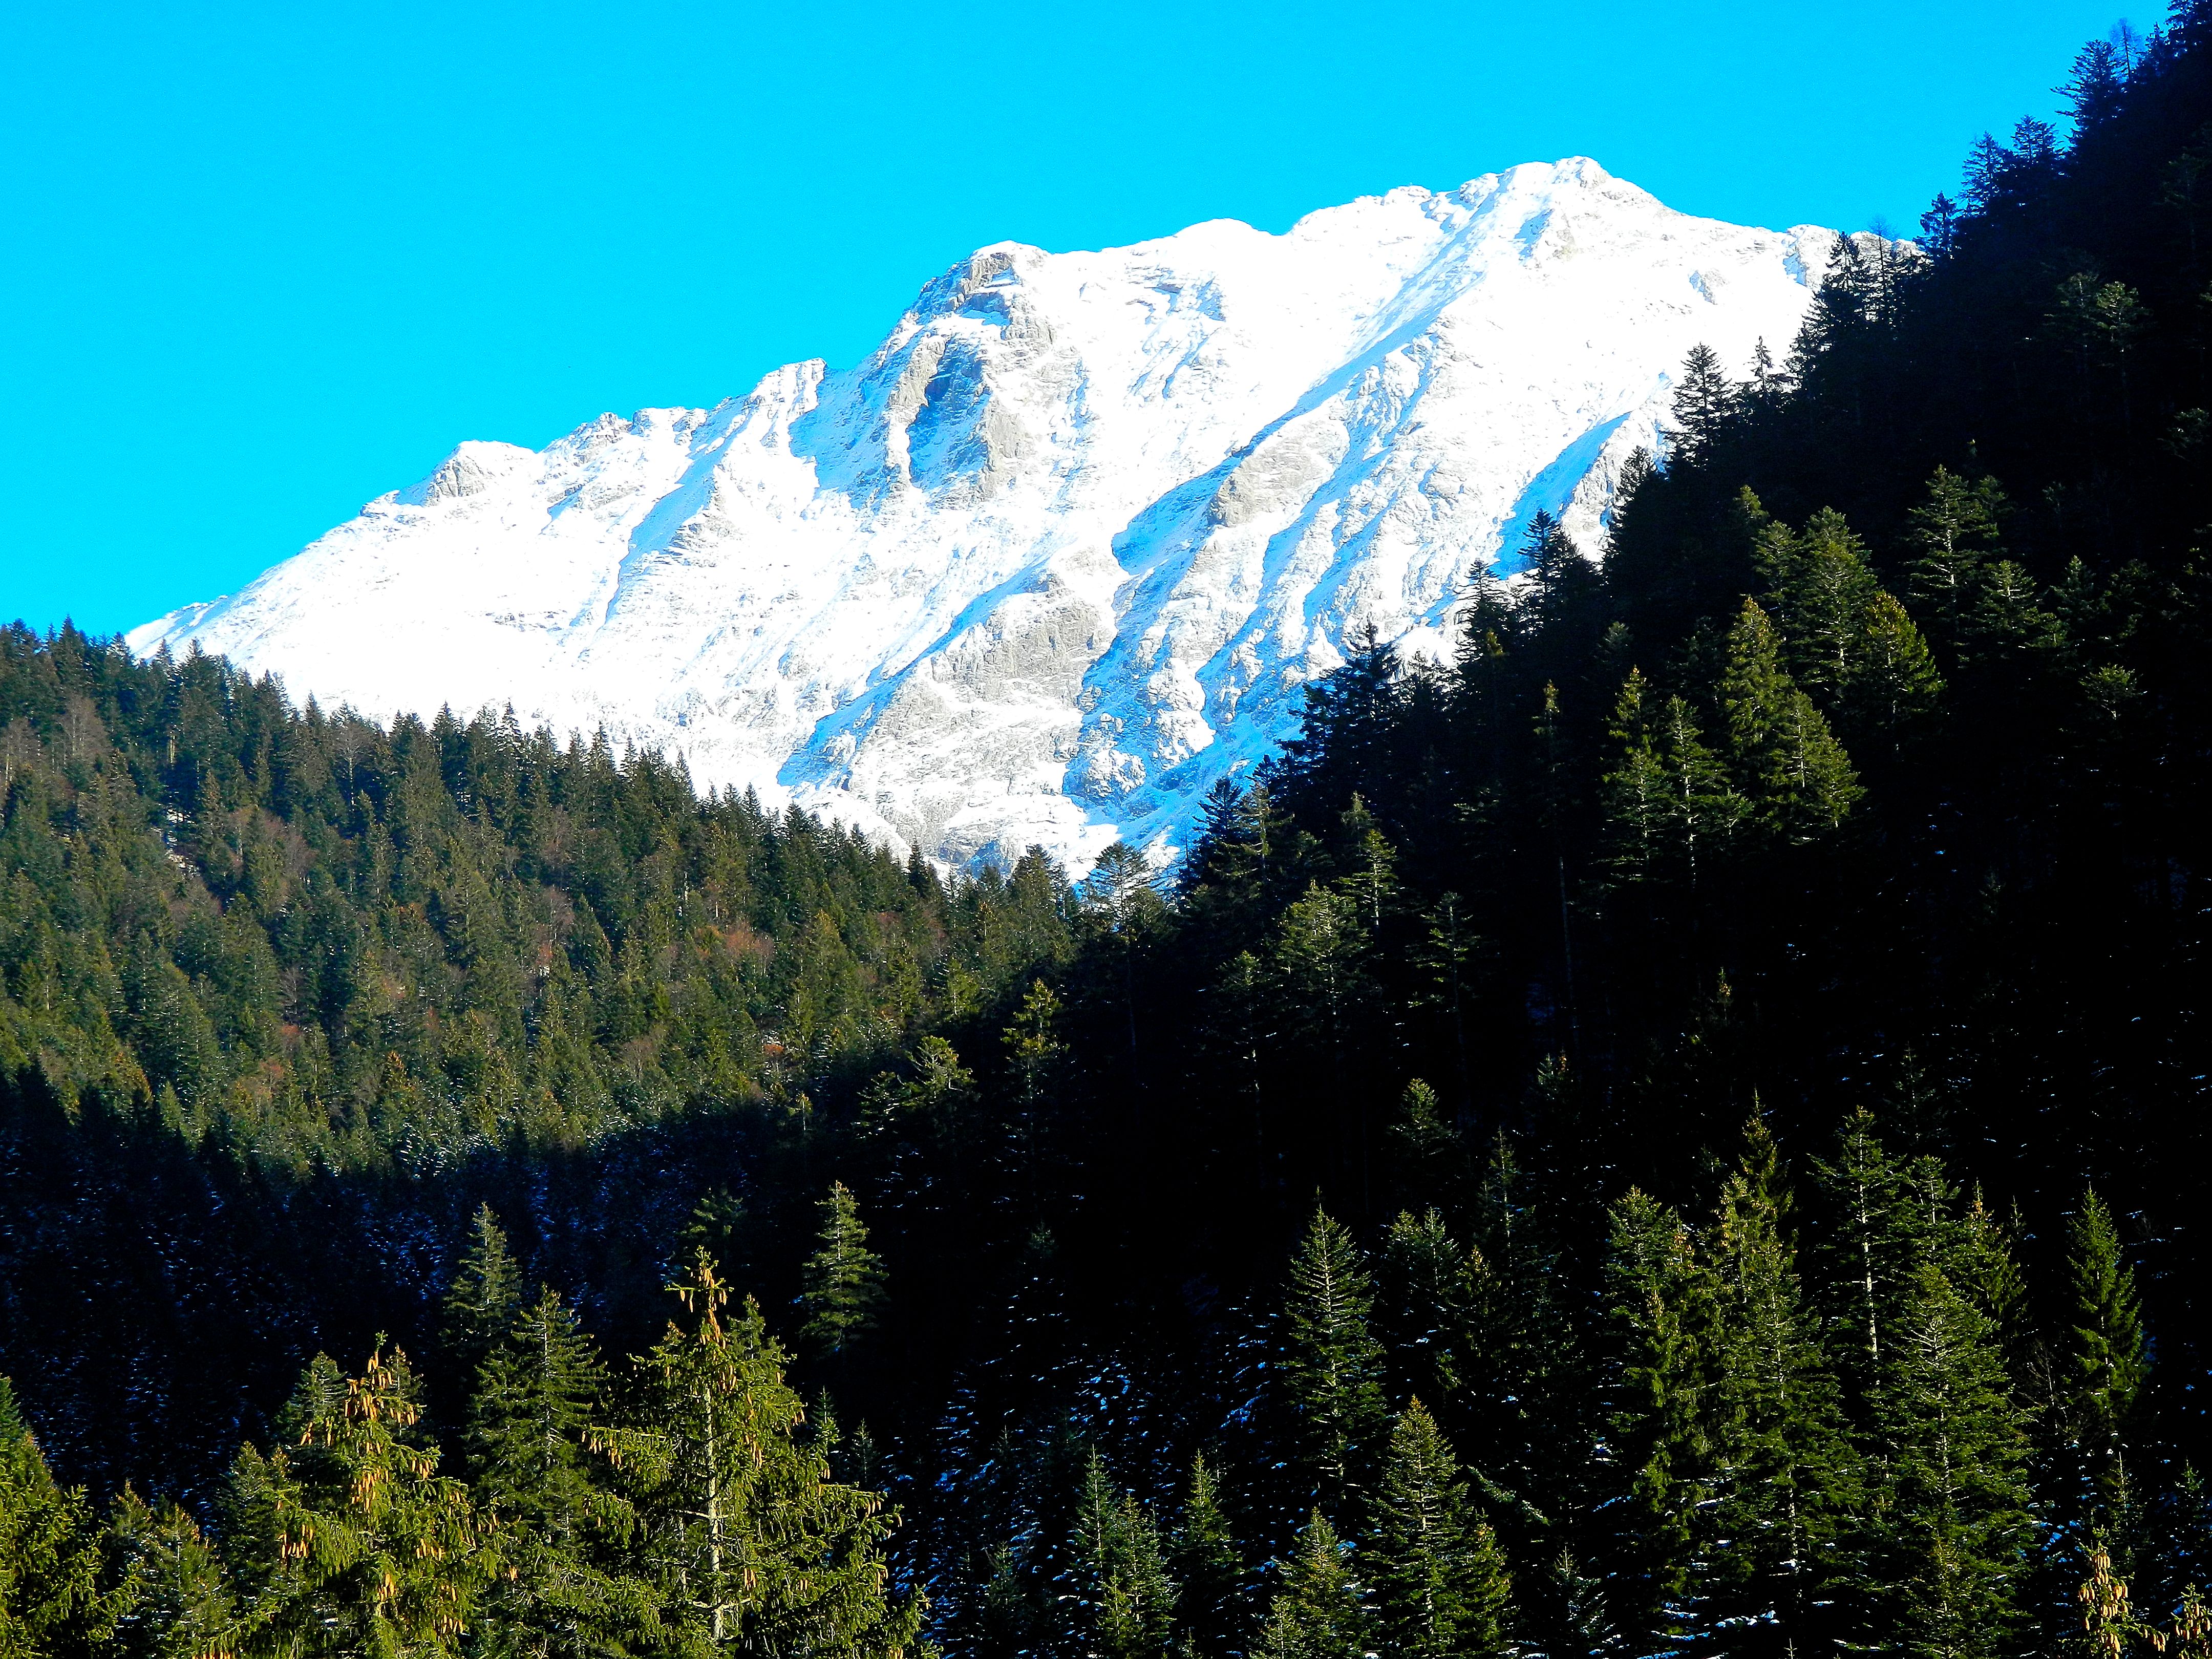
1679	1131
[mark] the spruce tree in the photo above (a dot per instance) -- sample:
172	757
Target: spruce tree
1955	534
844	1279
176	1600
537	1395
1429	1295
1953	1526
1333	1366
50	1552
1661	1311
747	1540
2104	1355
1439	1580
1120	1571
482	1300
1796	775
1778	1538
1318	1612
357	1543
1206	1562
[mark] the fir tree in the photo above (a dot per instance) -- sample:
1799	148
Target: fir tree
1332	1365
1661	1307
1121	1571
1662	1312
1777	1539
844	1278
2105	1360
1954	533
177	1601
1704	402
1440	1582
1796	774
1430	1296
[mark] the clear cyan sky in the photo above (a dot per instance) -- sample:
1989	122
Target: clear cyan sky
261	263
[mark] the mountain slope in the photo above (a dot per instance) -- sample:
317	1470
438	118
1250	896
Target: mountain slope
1063	549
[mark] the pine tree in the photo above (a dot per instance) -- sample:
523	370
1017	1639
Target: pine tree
750	1542
1317	1613
1440	1582
1332	1366
358	1544
844	1279
537	1395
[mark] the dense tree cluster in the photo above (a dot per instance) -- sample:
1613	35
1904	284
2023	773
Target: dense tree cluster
1677	1130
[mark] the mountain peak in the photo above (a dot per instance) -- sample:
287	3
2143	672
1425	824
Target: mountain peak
1062	550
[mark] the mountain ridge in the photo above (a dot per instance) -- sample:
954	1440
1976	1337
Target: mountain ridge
1064	548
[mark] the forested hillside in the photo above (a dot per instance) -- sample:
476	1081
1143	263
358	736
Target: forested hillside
1679	1131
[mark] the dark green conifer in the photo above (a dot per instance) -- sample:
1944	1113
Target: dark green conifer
1318	1612
1953	1526
482	1300
1206	1562
50	1595
356	1544
1779	1536
537	1394
1333	1365
1440	1582
2105	1360
844	1279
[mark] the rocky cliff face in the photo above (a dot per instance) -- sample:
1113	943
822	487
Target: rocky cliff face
1063	549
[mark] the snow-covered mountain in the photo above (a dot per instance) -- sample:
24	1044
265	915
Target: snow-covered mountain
1063	550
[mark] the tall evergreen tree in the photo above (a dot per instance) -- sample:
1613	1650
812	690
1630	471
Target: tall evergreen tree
1661	1309
751	1545
50	1550
1333	1366
1778	1539
1955	1527
172	1594
844	1279
1318	1612
1206	1561
357	1543
537	1395
482	1300
1440	1582
1122	1572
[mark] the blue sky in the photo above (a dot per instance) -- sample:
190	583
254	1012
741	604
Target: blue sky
263	263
